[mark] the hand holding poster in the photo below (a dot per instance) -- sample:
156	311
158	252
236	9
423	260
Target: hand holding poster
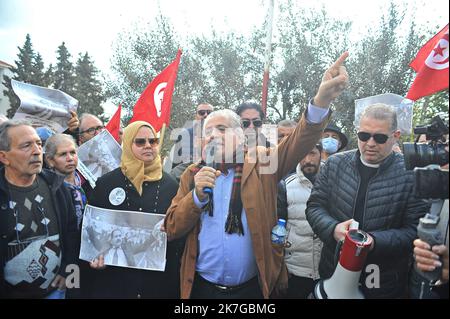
124	238
43	106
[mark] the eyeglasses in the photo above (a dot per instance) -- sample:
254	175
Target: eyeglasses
142	141
92	130
204	112
379	138
256	123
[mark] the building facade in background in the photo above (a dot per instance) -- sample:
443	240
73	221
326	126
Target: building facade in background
5	69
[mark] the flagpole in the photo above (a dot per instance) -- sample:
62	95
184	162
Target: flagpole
268	54
161	134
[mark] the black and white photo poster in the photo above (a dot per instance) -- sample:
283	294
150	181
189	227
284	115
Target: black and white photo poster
43	106
98	156
124	238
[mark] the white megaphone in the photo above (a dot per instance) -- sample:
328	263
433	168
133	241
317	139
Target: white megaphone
344	284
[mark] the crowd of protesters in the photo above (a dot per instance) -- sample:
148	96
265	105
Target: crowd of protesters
219	242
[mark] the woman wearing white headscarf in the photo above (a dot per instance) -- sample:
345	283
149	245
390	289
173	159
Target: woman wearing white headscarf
139	184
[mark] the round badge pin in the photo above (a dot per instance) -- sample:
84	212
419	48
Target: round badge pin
117	196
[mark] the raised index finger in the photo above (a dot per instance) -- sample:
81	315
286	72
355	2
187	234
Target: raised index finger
340	61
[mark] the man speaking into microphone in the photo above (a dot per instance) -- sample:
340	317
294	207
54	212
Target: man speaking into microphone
229	252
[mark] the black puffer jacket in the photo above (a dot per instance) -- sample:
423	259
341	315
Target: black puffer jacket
64	210
391	216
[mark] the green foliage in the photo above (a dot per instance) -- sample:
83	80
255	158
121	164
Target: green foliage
80	81
379	64
428	107
226	69
29	69
310	41
87	88
63	78
139	55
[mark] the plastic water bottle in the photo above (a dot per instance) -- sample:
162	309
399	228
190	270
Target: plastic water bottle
279	232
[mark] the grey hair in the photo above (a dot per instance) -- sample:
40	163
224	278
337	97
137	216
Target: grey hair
382	112
5	139
287	123
85	115
52	143
233	119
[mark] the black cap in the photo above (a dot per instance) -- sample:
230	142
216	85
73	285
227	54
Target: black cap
342	136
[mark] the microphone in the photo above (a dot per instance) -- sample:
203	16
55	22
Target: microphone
209	161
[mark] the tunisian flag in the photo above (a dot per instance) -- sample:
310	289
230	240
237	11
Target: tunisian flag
154	104
431	65
113	125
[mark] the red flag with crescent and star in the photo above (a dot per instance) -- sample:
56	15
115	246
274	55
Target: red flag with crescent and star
113	125
155	102
431	65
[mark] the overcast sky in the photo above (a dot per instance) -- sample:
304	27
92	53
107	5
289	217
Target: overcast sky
93	25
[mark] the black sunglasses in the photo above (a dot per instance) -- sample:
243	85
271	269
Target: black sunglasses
92	130
142	141
379	138
204	112
256	123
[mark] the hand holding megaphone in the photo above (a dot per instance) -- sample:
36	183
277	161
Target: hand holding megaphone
341	230
351	259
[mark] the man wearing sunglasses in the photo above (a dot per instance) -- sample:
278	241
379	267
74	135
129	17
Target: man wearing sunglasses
90	126
252	119
203	110
372	187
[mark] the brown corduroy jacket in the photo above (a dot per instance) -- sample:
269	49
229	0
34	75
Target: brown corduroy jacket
259	199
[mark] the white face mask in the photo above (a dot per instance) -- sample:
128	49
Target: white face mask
330	145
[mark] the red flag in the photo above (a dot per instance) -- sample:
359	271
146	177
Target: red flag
431	65
155	102
113	125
